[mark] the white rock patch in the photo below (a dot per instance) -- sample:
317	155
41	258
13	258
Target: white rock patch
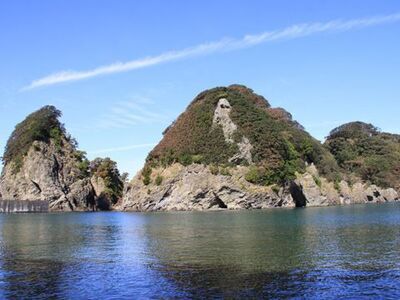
221	117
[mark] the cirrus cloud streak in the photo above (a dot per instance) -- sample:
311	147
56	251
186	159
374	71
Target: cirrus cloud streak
226	44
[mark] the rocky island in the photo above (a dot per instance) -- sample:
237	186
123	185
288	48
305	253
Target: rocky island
42	164
230	149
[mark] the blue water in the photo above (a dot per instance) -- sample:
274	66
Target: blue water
335	252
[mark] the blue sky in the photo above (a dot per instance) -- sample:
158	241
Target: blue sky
122	71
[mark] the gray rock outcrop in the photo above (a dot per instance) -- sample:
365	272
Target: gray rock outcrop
222	118
103	201
49	174
194	187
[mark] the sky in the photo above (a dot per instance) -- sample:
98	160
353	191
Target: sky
122	71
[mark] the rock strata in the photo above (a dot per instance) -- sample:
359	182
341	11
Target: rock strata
222	118
194	187
49	175
43	164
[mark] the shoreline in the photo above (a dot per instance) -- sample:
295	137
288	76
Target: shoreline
220	210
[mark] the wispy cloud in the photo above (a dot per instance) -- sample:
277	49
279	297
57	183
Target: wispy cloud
227	44
121	149
125	114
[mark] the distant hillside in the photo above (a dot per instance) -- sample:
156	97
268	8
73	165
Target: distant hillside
361	150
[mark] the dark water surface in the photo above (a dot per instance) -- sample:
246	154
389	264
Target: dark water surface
336	252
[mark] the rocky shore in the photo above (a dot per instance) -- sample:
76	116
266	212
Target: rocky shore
194	187
228	150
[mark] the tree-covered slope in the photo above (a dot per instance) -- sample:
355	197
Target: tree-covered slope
107	182
40	125
363	151
279	146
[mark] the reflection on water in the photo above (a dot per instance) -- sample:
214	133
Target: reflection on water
315	252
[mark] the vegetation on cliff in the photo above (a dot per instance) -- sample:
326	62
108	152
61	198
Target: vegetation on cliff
363	151
41	125
41	147
107	170
280	145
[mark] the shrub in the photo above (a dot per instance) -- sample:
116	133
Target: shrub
336	185
82	163
307	150
275	188
146	173
159	180
166	158
56	135
225	171
83	167
256	175
214	169
197	159
317	181
185	159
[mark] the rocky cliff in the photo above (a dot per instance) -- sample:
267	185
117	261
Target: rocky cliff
42	163
48	174
231	149
196	187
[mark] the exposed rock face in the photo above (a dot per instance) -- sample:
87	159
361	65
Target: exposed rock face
222	118
103	200
49	174
244	153
194	187
325	193
99	188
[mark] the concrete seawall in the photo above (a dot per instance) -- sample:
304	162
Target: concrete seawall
20	206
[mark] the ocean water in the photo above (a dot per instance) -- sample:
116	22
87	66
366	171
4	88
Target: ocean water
320	253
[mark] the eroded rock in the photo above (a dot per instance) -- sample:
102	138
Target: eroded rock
194	187
222	118
49	174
